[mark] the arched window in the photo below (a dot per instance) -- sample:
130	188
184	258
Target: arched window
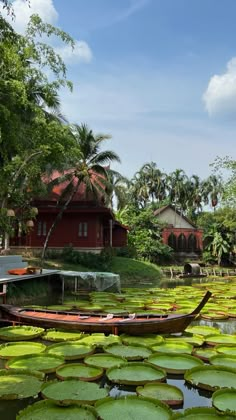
172	241
182	243
192	243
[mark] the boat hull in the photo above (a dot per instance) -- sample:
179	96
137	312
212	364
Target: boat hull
94	323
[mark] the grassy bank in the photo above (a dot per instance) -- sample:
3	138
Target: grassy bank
132	272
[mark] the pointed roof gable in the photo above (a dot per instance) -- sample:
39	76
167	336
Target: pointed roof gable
164	209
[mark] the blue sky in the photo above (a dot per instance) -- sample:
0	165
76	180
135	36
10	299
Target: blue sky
158	75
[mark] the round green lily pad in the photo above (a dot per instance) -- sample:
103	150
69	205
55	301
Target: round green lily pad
47	409
100	340
46	363
19	348
73	391
174	363
71	350
104	361
223	360
201	413
130	352
225	400
166	393
230	350
60	335
211	377
19	384
212	340
173	346
132	407
79	371
202	330
147	340
204	353
21	332
135	373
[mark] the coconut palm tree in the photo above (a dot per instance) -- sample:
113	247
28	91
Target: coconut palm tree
88	166
177	187
117	189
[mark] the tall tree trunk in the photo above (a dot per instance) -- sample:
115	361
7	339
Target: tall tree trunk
57	219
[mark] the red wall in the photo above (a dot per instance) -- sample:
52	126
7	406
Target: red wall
187	232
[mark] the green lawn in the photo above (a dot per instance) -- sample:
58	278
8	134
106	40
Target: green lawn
131	271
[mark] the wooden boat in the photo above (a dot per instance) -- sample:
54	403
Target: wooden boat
102	323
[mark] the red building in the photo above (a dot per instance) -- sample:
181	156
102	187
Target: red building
86	224
179	232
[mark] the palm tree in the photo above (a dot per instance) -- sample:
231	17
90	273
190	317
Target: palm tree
177	186
89	166
117	189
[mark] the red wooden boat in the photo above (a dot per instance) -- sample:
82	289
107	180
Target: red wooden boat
101	323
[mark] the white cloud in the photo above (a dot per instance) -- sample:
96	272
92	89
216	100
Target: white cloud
80	53
220	95
44	8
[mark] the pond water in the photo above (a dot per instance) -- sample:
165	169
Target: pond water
193	397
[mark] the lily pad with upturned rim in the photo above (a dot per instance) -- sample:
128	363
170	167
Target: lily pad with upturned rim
222	349
100	340
135	373
73	391
223	360
130	352
201	413
19	384
225	400
79	371
146	340
20	348
132	407
204	353
166	393
212	340
211	377
202	330
47	409
60	335
20	332
173	346
46	363
71	350
174	363
104	361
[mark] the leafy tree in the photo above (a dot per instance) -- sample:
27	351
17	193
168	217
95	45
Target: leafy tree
87	165
145	233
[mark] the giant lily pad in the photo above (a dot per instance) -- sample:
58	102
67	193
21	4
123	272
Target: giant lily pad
71	350
132	407
79	371
195	339
223	360
146	340
135	373
202	330
201	413
104	361
21	332
173	346
230	350
47	409
211	377
19	348
166	393
60	335
100	340
204	353
46	363
19	384
131	352
73	391
174	363
212	340
225	400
